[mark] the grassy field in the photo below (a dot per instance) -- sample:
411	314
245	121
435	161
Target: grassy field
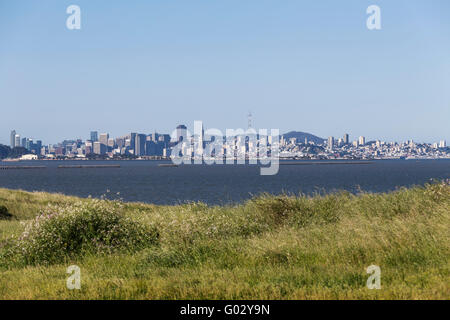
271	247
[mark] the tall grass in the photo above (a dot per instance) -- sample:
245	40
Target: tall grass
271	247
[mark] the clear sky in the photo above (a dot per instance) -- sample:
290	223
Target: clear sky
142	66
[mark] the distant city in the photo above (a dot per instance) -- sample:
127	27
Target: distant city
293	145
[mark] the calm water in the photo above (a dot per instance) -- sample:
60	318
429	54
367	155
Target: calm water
147	182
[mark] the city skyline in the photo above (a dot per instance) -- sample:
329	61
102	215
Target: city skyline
237	144
96	135
311	66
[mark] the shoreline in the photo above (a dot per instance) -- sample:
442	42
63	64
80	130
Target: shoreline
225	204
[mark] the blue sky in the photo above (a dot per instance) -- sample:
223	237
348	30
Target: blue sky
297	65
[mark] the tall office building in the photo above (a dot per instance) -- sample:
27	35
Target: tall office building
330	143
133	142
99	148
94	136
38	145
120	142
346	138
13	139
111	143
164	138
151	148
181	133
139	148
104	138
28	144
442	144
154	137
17	140
362	141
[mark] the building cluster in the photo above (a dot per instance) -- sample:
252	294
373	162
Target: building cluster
343	148
33	146
99	145
240	146
157	145
133	144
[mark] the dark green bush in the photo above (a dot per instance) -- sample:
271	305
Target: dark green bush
4	214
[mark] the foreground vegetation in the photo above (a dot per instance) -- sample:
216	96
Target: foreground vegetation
271	247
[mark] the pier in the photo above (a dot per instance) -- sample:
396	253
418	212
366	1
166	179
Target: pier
88	166
298	163
21	167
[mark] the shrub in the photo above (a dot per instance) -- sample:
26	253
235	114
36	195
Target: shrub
300	211
4	214
276	208
85	227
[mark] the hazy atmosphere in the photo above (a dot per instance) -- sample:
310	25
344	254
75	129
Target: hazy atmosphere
145	66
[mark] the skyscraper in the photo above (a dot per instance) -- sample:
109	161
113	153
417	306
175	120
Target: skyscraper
164	138
150	148
120	142
17	140
346	138
330	143
362	141
154	137
181	133
133	142
139	148
104	138
94	136
111	143
13	139
28	143
99	148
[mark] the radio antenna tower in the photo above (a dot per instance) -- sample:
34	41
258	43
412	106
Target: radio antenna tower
249	118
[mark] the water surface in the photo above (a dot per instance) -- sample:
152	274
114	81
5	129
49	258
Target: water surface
145	181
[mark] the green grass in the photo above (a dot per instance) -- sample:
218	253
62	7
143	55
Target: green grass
271	247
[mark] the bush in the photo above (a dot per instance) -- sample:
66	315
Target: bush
85	227
4	214
300	211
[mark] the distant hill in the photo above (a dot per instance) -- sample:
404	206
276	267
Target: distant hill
302	135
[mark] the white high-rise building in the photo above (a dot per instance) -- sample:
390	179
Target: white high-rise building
330	143
442	144
17	140
362	140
